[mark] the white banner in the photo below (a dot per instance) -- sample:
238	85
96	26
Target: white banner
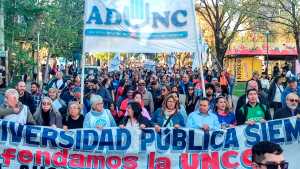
36	147
139	26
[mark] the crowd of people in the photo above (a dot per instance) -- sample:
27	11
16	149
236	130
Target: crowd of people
140	98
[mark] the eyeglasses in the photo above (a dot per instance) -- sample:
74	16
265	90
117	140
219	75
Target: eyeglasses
293	100
46	103
283	165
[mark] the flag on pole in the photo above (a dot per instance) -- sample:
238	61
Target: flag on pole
171	60
114	65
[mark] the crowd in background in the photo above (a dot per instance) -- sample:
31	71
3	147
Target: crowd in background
135	97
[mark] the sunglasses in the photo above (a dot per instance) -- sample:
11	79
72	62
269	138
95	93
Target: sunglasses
190	89
293	100
142	84
46	103
283	165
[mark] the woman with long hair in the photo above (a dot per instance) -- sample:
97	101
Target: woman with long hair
168	115
134	117
222	110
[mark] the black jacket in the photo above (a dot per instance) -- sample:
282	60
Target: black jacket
285	112
242	101
140	120
272	92
242	113
27	100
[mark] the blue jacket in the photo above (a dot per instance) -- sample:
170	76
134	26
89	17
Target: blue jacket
183	88
287	91
159	118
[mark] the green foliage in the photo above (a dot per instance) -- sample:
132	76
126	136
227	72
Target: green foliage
59	23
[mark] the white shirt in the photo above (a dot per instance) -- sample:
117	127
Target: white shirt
279	90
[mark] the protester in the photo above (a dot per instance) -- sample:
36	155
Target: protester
290	109
202	118
138	98
134	117
57	103
291	88
252	84
191	100
226	118
36	94
17	111
58	83
224	83
268	155
184	83
98	117
105	94
46	116
275	92
252	111
265	83
168	115
147	96
276	70
128	96
25	97
75	119
165	90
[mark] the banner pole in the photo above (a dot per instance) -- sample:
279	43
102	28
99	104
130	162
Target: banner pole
83	61
199	51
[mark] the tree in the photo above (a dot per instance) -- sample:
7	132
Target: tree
226	18
283	12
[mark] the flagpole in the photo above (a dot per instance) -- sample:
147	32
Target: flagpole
198	52
83	63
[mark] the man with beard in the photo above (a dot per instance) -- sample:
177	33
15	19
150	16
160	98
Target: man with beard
290	109
25	97
36	94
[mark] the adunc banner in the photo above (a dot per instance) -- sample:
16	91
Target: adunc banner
139	26
36	147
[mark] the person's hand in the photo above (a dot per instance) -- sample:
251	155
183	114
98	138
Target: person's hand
263	121
142	126
177	126
298	116
231	126
54	126
65	128
16	109
157	128
205	127
122	126
250	122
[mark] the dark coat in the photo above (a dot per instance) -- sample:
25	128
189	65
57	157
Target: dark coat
27	100
242	101
285	112
241	114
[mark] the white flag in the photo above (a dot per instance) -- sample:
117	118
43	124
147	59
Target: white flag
114	65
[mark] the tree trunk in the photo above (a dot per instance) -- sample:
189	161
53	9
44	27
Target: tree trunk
297	39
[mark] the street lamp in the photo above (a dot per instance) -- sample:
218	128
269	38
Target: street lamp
267	36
